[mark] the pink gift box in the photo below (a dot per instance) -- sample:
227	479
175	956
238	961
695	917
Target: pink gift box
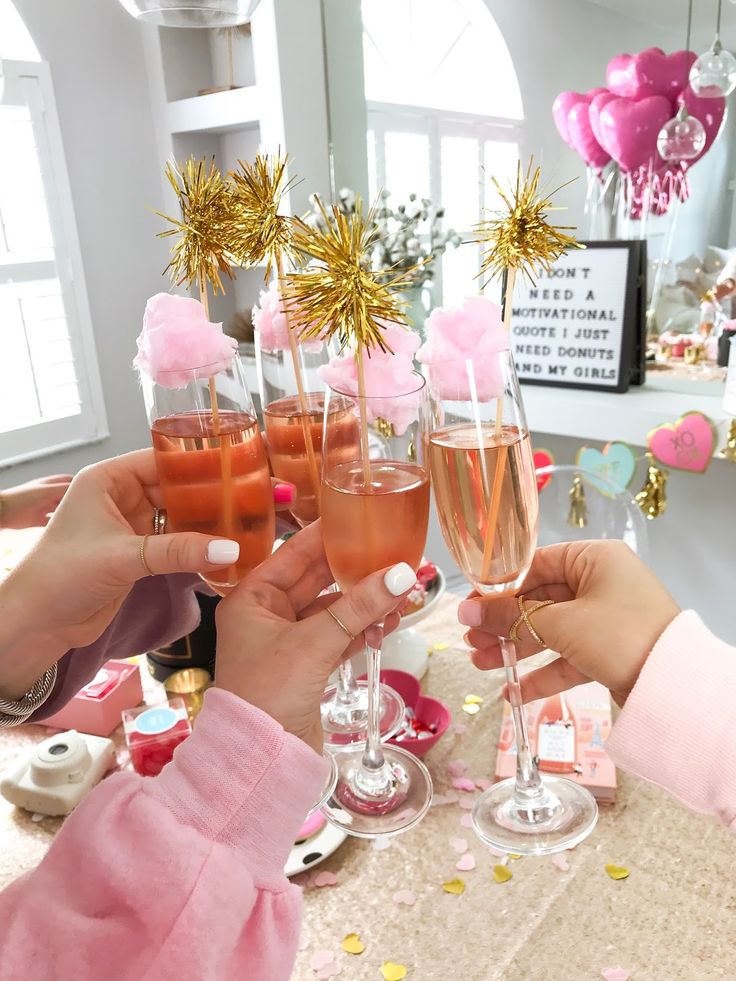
97	707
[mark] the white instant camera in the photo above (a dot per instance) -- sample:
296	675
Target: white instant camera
56	774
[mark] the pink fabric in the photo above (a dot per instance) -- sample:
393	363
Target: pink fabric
678	726
175	876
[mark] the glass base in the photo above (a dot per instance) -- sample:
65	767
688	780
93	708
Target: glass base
329	785
560	818
388	810
345	724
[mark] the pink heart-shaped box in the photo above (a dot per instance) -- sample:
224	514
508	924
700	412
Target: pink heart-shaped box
684	445
427	709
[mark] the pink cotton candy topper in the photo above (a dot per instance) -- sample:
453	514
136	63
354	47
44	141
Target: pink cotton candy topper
177	338
472	332
269	319
386	376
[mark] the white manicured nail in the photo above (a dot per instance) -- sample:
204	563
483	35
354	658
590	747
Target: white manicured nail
223	551
400	578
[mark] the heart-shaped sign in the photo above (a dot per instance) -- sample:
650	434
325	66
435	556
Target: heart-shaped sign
543	458
684	445
615	464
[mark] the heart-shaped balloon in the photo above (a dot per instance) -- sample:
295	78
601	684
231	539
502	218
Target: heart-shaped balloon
563	104
543	458
651	72
582	138
629	130
684	445
615	464
710	112
596	104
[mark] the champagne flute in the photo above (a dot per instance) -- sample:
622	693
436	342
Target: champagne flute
295	422
486	496
211	461
375	509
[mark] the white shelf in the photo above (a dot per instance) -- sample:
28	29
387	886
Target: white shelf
218	112
609	416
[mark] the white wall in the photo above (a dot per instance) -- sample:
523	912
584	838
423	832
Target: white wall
96	58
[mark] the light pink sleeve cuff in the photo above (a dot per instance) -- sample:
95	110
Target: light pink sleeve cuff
241	780
678	726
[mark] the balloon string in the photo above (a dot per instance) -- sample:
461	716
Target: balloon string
689	23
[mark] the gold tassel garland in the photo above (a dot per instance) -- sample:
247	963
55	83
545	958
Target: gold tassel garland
578	516
729	450
652	498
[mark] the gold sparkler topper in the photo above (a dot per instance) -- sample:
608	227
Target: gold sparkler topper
263	235
520	238
206	226
338	293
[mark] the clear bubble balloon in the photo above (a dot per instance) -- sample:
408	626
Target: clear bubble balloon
714	73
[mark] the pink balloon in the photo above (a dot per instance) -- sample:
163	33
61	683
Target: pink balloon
582	138
596	105
651	72
629	130
561	108
710	112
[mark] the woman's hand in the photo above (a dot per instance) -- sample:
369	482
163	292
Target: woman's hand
609	611
29	505
276	645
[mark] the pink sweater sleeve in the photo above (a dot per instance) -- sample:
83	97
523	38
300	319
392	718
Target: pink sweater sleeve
175	876
678	726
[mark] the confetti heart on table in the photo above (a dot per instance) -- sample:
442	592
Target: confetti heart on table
393	972
320	958
615	463
404	897
615	974
502	874
457	768
467	803
684	445
352	944
323	879
442	646
330	970
381	844
466	820
464	783
459	728
617	871
466	863
472	704
456	887
543	458
560	862
459	845
483	784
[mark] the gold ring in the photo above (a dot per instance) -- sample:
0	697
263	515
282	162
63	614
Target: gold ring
142	553
339	622
524	616
159	521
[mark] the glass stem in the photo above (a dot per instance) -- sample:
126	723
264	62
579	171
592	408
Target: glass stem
374	775
529	787
347	687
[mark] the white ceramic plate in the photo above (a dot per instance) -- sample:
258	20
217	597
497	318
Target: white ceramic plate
315	850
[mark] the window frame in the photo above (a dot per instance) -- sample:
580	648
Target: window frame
33	80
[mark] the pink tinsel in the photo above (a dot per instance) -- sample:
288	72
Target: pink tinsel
386	376
473	331
269	320
177	338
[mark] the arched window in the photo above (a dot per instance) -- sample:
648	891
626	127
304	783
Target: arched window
51	396
444	112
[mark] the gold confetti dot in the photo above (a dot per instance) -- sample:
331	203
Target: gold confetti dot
470	708
514	856
393	972
352	944
473	700
617	871
456	887
502	874
441	646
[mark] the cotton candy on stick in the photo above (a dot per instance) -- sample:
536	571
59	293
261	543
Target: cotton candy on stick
518	239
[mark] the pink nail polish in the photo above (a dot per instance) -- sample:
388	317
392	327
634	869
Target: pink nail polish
470	613
284	493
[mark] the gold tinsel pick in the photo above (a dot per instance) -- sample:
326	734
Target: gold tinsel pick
578	515
338	294
520	237
205	229
652	498
263	235
729	450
